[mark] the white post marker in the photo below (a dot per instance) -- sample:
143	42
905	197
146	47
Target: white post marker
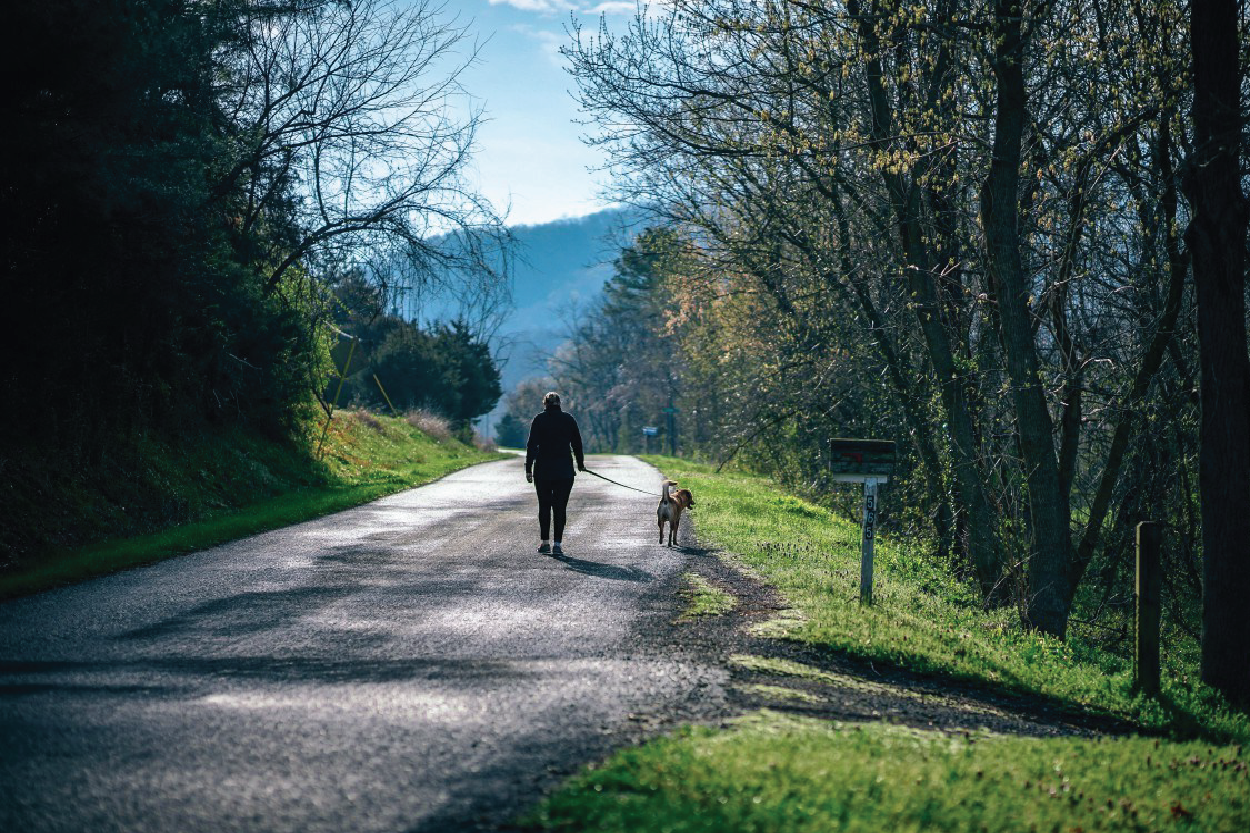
870	462
868	528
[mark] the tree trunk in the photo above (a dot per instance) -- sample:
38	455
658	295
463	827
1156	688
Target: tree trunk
905	205
1152	360
983	549
1049	509
913	410
1217	240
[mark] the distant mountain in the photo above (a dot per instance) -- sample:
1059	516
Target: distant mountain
557	270
560	267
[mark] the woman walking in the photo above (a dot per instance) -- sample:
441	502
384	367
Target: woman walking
549	466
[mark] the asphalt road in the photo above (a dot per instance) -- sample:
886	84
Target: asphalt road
412	664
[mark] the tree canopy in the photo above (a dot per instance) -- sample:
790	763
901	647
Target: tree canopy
183	184
182	180
958	225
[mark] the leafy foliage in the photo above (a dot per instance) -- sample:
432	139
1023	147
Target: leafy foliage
511	432
385	362
182	181
620	368
950	224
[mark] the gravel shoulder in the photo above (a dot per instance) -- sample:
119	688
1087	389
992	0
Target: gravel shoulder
766	670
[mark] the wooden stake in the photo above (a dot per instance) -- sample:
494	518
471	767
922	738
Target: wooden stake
384	396
347	364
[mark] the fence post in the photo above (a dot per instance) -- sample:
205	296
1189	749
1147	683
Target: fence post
1149	591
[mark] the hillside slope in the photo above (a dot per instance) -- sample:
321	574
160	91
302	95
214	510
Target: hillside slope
169	496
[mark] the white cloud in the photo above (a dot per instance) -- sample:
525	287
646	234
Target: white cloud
613	7
547	6
548	42
553	6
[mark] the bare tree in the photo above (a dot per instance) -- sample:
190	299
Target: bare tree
356	109
986	188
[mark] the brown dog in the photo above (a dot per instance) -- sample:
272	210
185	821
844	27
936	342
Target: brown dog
671	506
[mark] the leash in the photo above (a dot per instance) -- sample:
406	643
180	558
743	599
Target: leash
622	485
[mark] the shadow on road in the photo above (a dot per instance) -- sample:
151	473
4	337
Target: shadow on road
600	570
201	675
244	613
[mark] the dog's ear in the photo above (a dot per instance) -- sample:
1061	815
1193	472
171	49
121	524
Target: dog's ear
687	497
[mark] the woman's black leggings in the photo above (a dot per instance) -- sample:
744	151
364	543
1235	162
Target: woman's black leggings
553	499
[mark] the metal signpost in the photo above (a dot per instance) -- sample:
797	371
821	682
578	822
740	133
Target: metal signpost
870	462
647	433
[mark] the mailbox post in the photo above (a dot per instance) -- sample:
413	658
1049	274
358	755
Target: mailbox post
870	462
648	431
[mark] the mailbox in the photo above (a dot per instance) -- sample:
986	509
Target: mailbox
870	462
859	460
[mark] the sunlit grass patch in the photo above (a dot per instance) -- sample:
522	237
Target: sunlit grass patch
774	773
704	599
778	626
825	685
784	668
782	694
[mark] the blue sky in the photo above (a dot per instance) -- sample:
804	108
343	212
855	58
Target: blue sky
529	152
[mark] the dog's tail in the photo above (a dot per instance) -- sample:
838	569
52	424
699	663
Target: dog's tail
665	494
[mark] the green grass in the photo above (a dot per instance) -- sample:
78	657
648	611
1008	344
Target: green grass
773	773
923	619
365	458
703	599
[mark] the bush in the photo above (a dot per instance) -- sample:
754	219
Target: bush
433	425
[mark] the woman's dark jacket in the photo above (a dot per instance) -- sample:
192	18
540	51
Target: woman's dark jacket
552	434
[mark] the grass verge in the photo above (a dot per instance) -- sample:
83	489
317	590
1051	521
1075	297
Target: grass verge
775	773
234	486
923	619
